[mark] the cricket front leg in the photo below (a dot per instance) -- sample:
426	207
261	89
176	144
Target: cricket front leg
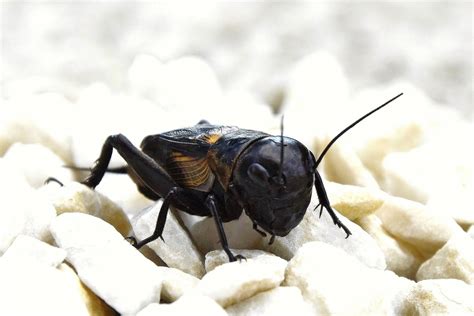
211	204
324	203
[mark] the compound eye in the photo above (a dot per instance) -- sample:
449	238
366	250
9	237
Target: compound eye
258	174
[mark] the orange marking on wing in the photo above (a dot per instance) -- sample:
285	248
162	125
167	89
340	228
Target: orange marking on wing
188	171
212	138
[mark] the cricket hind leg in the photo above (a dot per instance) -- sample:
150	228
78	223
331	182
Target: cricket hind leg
152	176
117	170
126	170
324	203
148	171
142	187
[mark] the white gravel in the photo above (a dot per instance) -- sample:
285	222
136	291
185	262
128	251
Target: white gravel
401	181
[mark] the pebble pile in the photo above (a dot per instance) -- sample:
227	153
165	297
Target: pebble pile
402	182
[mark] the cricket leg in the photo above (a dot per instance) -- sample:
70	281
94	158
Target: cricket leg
211	204
148	170
324	202
153	177
175	195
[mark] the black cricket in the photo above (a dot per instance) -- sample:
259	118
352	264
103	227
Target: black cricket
219	171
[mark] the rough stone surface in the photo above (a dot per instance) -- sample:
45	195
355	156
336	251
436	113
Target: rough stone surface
37	162
353	201
300	98
283	300
315	228
337	284
402	176
415	224
106	263
178	250
188	304
98	98
218	257
123	191
95	306
399	128
455	260
319	69
175	283
410	175
470	231
76	197
440	297
342	165
27	119
401	138
28	249
233	282
28	288
23	210
401	258
165	82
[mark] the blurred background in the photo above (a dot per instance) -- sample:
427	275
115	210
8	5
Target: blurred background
64	46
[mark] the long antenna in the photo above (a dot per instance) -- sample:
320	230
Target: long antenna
351	126
281	151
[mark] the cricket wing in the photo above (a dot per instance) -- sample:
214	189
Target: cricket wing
183	154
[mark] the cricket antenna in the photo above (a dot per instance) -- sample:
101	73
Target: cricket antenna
280	175
351	126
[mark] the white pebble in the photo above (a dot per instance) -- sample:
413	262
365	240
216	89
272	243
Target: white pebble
76	197
414	223
37	162
337	284
29	288
401	257
455	260
423	175
43	118
23	210
233	282
280	301
470	231
86	142
312	83
28	249
188	304
176	283
311	106
123	191
94	304
440	297
343	165
106	263
354	201
186	84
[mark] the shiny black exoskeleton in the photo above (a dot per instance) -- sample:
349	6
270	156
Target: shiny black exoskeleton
219	171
